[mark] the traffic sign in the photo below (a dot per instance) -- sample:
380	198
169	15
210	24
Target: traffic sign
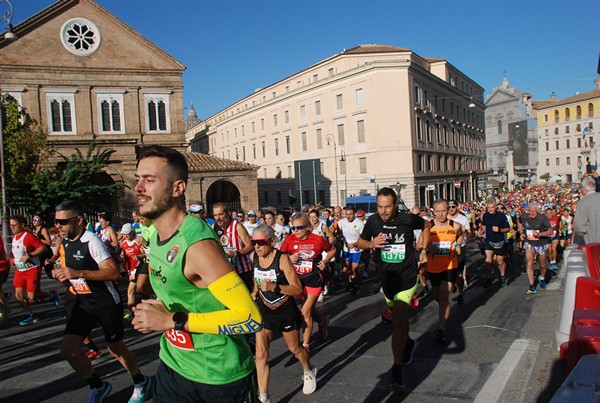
430	187
457	184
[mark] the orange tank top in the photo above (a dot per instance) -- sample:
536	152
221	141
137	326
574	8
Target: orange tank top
441	240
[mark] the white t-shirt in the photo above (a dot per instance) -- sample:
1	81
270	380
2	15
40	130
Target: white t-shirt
351	231
466	225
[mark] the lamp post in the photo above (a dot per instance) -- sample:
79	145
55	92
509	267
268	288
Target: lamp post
9	35
331	139
343	158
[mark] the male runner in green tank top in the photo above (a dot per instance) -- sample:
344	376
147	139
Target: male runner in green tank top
203	307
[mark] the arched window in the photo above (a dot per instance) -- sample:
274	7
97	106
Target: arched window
567	114
499	126
590	110
556	116
578	111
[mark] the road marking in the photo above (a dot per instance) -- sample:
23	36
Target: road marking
495	384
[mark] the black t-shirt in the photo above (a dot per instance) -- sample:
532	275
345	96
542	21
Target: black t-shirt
530	225
399	253
497	219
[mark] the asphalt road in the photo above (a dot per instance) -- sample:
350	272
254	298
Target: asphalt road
500	348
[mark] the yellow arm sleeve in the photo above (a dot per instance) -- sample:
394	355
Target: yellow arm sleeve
241	316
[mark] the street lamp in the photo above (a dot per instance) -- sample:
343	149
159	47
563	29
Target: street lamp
9	35
342	159
331	139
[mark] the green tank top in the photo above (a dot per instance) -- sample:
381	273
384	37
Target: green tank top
205	358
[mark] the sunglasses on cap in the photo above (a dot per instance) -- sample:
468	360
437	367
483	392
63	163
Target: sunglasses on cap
297	228
260	241
251	215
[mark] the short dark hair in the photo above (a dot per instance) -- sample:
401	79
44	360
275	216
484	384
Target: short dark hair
70	205
178	166
387	191
350	208
18	218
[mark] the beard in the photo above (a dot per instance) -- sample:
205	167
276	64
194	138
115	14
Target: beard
159	207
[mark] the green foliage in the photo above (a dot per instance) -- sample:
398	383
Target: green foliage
81	177
25	147
545	176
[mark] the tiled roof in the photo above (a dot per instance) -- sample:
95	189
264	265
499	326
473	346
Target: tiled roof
375	48
199	162
584	96
434	59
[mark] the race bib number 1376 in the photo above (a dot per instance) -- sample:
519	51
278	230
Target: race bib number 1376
393	253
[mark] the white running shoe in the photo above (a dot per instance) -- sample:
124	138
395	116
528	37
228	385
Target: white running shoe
310	381
321	297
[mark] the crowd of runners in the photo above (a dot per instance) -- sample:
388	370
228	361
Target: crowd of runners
222	286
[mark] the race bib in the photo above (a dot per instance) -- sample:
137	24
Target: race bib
132	274
531	235
23	266
260	275
304	267
80	286
393	253
147	252
179	339
442	248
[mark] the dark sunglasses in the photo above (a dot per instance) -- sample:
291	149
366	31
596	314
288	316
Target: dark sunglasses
36	220
240	216
297	228
63	221
260	241
452	206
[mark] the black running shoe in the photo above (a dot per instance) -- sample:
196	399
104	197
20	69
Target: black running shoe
397	378
409	350
440	336
423	292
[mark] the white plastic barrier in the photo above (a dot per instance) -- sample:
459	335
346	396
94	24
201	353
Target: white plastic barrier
582	384
575	267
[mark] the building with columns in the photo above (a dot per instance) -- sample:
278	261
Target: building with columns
567	135
371	116
511	135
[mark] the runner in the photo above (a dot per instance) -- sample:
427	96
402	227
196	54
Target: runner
493	226
26	251
351	227
280	230
203	308
320	228
91	270
456	215
554	240
276	282
444	247
391	232
132	257
535	230
566	228
305	250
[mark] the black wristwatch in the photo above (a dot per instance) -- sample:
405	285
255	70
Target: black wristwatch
180	319
277	289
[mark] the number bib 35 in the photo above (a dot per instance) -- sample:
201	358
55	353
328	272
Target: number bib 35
179	339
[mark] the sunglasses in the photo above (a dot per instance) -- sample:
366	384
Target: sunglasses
451	206
260	241
297	228
240	216
35	220
63	221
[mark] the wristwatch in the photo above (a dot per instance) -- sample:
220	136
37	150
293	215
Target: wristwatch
422	249
180	319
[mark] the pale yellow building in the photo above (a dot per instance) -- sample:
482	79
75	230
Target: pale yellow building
567	135
369	117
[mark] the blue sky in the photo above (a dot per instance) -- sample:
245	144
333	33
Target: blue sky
230	48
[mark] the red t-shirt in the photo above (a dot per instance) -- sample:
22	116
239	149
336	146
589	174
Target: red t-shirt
131	249
555	223
308	250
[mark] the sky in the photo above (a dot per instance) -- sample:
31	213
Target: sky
230	47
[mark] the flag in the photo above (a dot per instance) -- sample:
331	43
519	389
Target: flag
586	129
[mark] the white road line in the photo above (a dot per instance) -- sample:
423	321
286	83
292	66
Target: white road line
493	387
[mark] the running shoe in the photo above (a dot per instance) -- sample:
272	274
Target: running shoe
423	292
55	299
397	378
531	290
93	354
264	398
554	266
459	298
386	316
541	282
504	281
355	290
324	328
29	319
326	290
4	312
141	390
321	297
409	350
310	381
98	395
127	314
440	336
488	282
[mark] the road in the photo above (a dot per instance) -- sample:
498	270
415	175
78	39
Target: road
500	349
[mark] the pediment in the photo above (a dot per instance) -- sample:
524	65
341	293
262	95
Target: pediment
121	47
500	96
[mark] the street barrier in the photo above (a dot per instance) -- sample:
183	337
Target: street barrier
592	254
575	267
585	329
582	384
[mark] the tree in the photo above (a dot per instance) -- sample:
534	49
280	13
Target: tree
545	176
25	148
80	177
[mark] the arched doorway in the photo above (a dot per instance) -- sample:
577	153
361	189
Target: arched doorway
225	192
